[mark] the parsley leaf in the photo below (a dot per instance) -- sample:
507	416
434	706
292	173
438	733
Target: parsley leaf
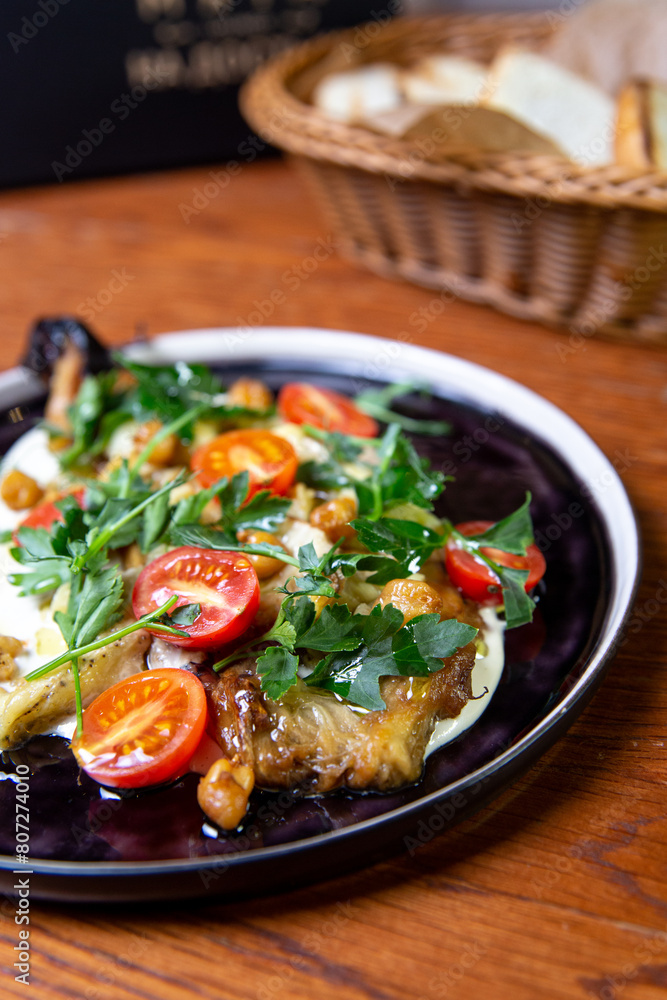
278	669
408	543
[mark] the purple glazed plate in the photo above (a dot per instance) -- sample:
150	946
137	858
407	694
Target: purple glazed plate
87	844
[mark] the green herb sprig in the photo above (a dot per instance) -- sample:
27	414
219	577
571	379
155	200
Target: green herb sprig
159	621
360	649
377	403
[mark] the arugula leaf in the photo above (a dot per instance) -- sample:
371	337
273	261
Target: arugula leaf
264	511
93	608
95	414
182	616
512	534
169	391
376	403
214	538
343	447
518	605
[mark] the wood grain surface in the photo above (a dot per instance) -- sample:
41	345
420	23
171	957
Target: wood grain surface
556	890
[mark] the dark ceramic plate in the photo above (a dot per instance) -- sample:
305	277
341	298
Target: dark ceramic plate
88	845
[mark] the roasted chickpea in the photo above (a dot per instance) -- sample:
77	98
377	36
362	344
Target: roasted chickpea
250	392
412	597
20	491
333	518
224	792
9	648
452	602
265	566
164	453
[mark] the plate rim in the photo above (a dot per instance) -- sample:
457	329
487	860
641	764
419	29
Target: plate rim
323	346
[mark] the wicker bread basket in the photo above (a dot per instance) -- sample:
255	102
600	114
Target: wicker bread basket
535	236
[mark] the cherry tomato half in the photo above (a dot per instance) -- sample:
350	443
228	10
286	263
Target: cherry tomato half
269	460
302	403
44	515
143	730
225	584
474	578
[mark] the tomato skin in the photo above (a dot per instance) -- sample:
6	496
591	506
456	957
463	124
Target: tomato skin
270	460
475	579
44	515
303	403
224	583
143	730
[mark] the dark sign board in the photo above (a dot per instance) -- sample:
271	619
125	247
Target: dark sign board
104	86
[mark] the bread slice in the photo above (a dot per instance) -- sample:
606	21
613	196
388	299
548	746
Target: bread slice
610	41
460	129
641	125
360	93
573	114
444	80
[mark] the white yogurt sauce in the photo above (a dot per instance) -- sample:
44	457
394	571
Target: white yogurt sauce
485	678
23	617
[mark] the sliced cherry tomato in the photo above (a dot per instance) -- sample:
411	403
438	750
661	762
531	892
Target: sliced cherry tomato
225	584
474	578
269	460
44	515
302	403
143	730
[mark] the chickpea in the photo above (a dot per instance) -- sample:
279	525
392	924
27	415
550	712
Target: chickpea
224	792
333	518
164	453
251	393
9	648
265	566
452	602
20	491
412	597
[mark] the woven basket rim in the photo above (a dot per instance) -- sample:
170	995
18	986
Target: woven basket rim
291	124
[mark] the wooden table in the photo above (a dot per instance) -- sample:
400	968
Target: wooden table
558	889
